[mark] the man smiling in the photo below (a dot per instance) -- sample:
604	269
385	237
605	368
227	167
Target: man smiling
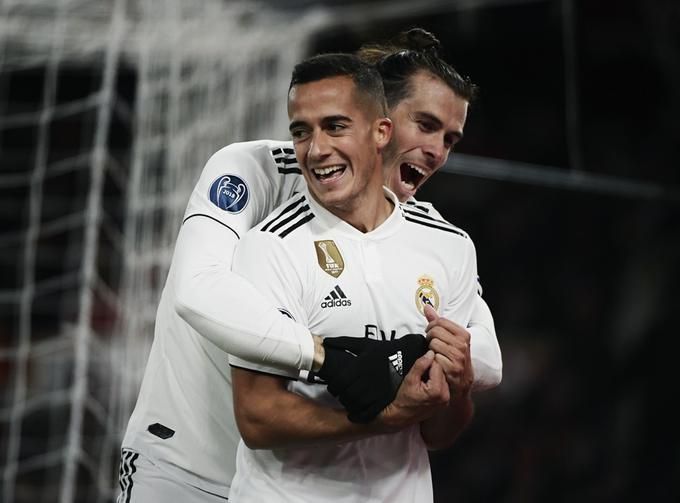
298	442
181	439
338	177
432	110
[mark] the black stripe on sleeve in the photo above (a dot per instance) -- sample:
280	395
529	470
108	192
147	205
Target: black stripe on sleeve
286	216
439	221
416	205
441	228
290	171
296	225
211	218
289	218
285	210
427	217
286	162
283	150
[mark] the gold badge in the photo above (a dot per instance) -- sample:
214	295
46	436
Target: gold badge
329	257
426	294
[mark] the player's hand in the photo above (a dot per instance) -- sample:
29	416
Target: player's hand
336	359
424	392
371	380
451	345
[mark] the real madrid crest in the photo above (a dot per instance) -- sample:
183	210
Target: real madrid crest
426	294
329	257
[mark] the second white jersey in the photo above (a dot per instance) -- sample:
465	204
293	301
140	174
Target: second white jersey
183	420
339	282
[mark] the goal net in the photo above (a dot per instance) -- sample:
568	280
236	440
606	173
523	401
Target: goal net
108	111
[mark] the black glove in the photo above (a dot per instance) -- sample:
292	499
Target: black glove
338	357
366	383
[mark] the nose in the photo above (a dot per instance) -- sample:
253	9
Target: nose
437	151
319	147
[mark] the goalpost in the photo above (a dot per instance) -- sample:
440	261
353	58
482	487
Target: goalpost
108	111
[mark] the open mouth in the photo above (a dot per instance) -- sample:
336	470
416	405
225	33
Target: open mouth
411	175
329	173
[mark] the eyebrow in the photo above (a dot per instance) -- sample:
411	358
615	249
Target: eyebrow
336	118
324	121
295	124
439	123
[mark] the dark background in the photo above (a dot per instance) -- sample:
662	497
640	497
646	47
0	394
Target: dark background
582	282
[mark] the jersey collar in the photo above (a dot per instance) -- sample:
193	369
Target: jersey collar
329	221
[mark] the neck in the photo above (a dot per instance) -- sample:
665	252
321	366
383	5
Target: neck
365	212
371	211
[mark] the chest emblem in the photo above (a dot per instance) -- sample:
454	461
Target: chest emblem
426	294
329	257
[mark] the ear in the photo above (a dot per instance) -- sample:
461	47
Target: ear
292	94
383	132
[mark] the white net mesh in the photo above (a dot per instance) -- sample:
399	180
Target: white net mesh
108	111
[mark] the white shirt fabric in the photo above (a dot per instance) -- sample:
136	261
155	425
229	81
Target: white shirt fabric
187	382
378	291
485	352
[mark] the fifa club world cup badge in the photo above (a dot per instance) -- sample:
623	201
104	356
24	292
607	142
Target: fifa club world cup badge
329	257
426	294
230	193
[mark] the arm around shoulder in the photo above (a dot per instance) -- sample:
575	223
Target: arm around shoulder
226	308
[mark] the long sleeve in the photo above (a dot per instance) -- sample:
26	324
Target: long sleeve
487	362
226	309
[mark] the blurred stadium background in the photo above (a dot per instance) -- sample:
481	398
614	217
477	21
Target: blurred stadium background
568	180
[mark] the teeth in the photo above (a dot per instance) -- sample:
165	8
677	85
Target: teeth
416	168
409	185
327	171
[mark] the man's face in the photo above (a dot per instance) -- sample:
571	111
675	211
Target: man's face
427	125
337	140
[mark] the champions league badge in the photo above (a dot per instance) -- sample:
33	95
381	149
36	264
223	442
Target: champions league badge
426	294
229	193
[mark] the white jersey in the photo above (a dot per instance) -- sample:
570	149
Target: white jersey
206	310
183	420
485	352
339	281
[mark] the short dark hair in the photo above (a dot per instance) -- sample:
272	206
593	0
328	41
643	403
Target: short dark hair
405	55
365	76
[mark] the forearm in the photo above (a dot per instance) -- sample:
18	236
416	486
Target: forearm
294	421
226	309
451	343
445	426
269	416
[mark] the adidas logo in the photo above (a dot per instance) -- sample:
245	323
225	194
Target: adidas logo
336	298
397	362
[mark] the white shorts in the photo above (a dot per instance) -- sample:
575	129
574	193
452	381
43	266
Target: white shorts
142	481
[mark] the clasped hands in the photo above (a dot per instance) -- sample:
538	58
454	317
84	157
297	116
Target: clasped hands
402	381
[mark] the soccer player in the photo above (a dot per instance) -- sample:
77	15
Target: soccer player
183	421
346	238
